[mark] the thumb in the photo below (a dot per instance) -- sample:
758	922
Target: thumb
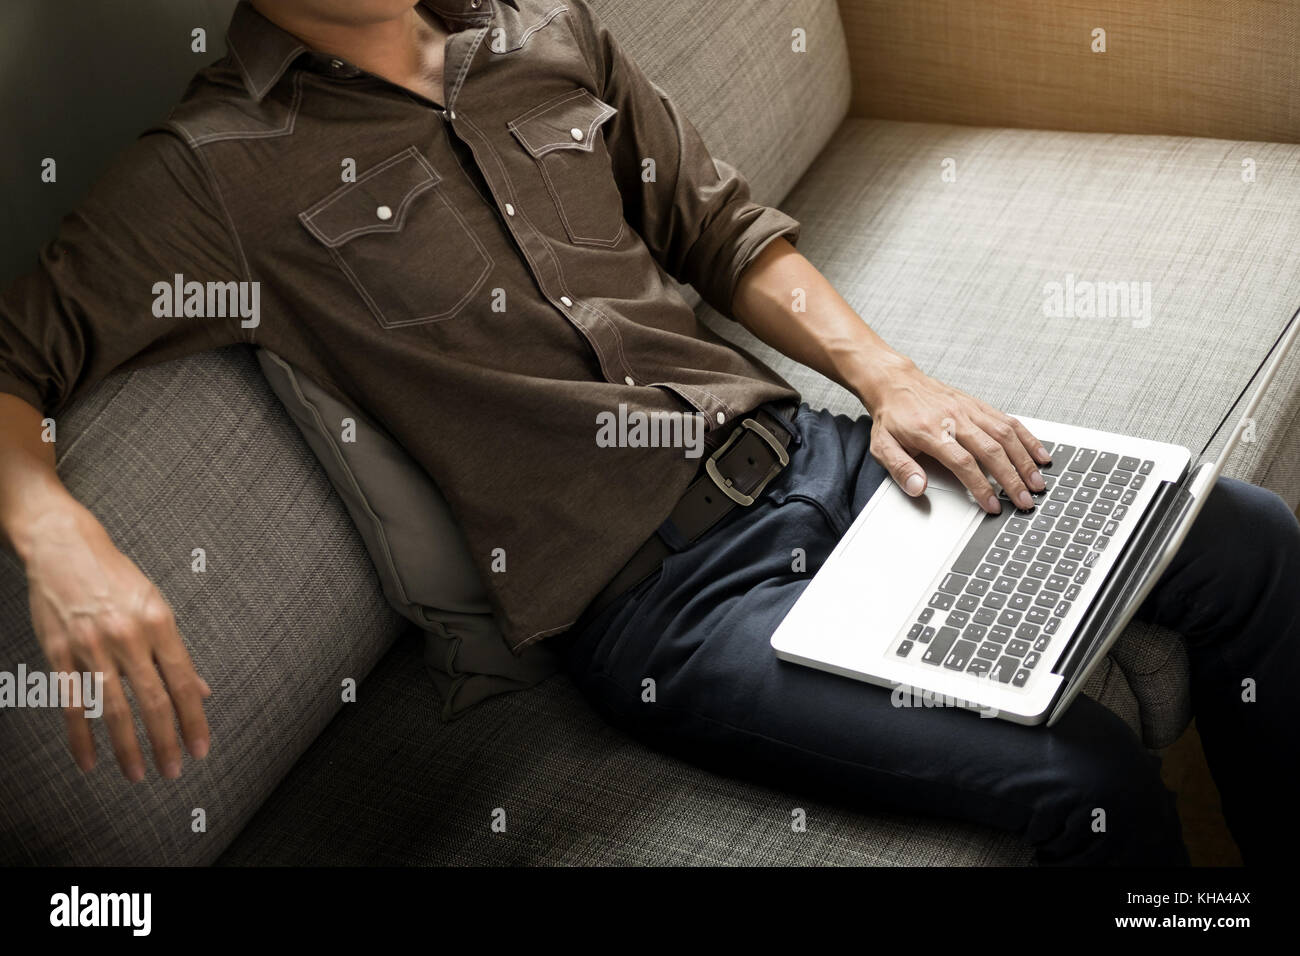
905	471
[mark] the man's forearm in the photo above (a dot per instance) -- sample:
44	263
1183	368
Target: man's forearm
29	486
826	334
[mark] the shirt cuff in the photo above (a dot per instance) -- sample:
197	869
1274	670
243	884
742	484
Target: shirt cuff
731	243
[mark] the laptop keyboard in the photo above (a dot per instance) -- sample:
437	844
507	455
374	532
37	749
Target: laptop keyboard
1003	599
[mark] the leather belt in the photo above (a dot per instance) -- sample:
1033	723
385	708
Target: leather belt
733	476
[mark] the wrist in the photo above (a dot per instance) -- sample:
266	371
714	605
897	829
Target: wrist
43	513
878	375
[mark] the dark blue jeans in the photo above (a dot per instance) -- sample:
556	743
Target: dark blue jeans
699	629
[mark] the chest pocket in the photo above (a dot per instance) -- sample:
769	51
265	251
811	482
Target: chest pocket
402	245
563	136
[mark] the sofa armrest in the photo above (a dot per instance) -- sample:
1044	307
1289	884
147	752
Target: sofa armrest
196	454
1197	67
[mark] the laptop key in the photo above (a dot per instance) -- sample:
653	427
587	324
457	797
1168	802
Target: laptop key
957	619
1017	647
1061	457
1039	570
1128	497
960	655
1067	525
989	651
1058	539
1076	553
1071	593
979	666
973	553
953	583
939	647
1129	463
1066	568
1137	482
1086	495
1103	507
1061	492
1083	459
967	602
1052	626
974	632
996	600
1031	659
941	601
985	615
999	635
904	649
1112	492
915	631
1070	480
1057	582
1043	523
1049	555
1093	480
1121	478
1004	670
1105	462
1017	602
1029	586
1037	615
1120	512
1027	632
1047	599
1076	509
1082	576
925	615
1040	645
1009	618
1094	522
1101	542
1016	569
1021	678
1004	584
987	572
1147	466
1007	541
977	587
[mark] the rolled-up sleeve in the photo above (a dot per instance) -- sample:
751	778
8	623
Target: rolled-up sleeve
87	308
696	216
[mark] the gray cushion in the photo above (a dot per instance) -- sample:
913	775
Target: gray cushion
417	548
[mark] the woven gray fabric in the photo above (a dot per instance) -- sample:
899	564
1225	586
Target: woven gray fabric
387	783
197	454
953	273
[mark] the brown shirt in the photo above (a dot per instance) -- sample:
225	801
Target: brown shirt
488	283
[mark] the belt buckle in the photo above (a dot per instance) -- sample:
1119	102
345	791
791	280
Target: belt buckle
724	484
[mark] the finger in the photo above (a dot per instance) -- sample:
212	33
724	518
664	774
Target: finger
1013	444
990	455
1027	438
900	465
81	742
959	460
155	706
117	714
187	690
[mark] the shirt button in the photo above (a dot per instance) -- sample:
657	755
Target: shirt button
476	3
722	419
628	379
566	300
451	114
384	213
510	210
576	133
336	64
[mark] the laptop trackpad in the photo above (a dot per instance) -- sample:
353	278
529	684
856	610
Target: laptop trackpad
902	544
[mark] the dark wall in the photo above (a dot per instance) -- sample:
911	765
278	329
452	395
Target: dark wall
79	79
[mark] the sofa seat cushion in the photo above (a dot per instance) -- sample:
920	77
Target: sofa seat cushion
388	783
955	271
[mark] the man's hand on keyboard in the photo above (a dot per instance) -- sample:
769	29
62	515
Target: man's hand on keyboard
913	413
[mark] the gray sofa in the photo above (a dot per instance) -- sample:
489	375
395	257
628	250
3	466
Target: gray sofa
951	271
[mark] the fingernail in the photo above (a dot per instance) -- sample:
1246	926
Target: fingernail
199	749
86	764
1042	453
993	505
1025	500
915	483
135	773
172	769
1036	479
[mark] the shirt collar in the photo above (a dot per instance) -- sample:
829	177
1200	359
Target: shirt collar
264	51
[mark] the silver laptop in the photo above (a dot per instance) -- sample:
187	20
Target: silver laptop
1008	614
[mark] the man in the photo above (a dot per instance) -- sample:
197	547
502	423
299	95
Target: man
454	215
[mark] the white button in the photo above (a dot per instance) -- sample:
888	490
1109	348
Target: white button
510	210
476	3
628	379
451	114
722	419
566	300
384	213
576	133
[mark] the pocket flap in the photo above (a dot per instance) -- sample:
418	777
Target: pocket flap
568	122
376	202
